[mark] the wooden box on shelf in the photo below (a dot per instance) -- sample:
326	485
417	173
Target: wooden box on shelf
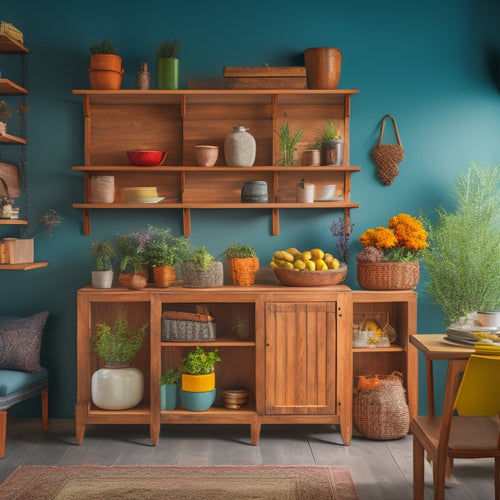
17	251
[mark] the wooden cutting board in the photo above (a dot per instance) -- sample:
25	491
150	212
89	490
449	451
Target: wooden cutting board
10	176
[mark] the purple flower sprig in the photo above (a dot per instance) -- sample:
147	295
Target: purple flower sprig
342	233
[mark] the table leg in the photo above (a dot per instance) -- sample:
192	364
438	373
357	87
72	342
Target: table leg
430	387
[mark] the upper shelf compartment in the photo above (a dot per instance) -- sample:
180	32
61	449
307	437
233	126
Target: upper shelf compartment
177	121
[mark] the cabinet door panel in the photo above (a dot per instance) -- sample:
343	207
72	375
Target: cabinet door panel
300	358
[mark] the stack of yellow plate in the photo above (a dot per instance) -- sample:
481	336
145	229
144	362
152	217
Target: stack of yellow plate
140	195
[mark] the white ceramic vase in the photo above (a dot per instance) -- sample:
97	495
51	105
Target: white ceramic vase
239	148
117	386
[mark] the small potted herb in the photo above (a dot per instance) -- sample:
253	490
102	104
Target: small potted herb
105	72
103	252
132	261
243	263
330	142
168	64
117	386
198	379
202	270
169	387
288	143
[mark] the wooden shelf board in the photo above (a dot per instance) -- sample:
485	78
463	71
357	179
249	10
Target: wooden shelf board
23	267
128	168
205	206
12	139
14	222
391	348
213	415
225	342
8	87
10	46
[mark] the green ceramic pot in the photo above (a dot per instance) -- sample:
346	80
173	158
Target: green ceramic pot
168	73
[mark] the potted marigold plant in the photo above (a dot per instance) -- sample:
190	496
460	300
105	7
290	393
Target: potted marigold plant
389	259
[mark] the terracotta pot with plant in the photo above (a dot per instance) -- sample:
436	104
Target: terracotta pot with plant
389	259
132	261
168	64
202	270
103	251
117	386
105	71
198	379
243	263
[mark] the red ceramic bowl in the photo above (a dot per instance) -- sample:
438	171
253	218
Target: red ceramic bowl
146	158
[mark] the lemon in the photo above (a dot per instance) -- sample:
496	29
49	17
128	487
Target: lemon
273	265
288	265
317	254
306	255
328	257
310	265
299	264
296	253
334	264
320	265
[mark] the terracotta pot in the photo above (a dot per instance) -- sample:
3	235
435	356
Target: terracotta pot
106	61
323	65
101	79
135	281
206	156
243	270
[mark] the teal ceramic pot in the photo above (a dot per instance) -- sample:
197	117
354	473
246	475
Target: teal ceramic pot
168	73
170	396
197	401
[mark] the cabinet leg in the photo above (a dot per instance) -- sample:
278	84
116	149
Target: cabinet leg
255	433
45	410
346	433
154	432
79	427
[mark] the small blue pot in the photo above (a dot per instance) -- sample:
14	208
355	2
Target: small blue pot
170	397
197	401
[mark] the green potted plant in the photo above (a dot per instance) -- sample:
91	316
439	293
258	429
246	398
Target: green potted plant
163	251
132	261
330	142
202	270
105	72
117	386
288	143
243	263
169	389
463	258
168	64
103	252
6	112
198	379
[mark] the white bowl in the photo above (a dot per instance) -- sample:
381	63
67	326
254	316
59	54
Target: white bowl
490	319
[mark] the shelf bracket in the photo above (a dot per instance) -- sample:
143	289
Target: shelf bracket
186	221
86	221
276	221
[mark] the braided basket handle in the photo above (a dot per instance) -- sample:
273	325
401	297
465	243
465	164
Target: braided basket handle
395	129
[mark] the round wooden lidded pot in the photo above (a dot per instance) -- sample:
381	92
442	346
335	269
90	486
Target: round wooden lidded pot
323	65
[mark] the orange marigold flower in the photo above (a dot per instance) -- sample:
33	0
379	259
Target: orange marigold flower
409	232
379	238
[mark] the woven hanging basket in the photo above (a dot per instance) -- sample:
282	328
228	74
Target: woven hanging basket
388	275
243	270
380	409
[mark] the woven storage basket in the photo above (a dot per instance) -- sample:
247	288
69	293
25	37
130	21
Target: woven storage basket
163	275
194	278
388	275
380	410
179	326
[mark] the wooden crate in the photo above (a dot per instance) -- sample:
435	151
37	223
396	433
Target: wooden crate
17	251
265	77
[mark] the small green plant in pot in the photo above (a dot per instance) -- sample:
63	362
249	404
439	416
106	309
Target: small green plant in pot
198	379
117	386
288	143
202	270
331	144
243	263
169	389
103	252
105	71
168	64
132	261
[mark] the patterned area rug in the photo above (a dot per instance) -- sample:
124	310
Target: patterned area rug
193	483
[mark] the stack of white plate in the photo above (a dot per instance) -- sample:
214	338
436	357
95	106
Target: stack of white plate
141	195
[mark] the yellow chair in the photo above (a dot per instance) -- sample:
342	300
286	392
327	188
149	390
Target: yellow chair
474	432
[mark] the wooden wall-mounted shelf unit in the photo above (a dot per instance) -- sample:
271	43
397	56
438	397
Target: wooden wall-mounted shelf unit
176	121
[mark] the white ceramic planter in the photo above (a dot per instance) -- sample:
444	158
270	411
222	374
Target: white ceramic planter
117	388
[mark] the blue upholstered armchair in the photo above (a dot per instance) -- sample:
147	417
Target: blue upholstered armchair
21	376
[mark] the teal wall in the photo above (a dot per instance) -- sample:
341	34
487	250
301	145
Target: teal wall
432	65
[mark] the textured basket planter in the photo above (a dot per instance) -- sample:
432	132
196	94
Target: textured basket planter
195	278
243	270
388	275
163	275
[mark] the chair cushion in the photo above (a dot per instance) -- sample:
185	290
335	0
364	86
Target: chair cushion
20	343
13	380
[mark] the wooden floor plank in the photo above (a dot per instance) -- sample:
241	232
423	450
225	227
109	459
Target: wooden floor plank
381	469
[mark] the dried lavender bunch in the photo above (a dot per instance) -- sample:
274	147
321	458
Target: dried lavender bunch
342	233
45	224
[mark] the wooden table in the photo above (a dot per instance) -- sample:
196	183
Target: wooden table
435	347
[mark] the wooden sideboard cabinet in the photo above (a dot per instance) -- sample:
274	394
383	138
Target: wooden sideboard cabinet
291	347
